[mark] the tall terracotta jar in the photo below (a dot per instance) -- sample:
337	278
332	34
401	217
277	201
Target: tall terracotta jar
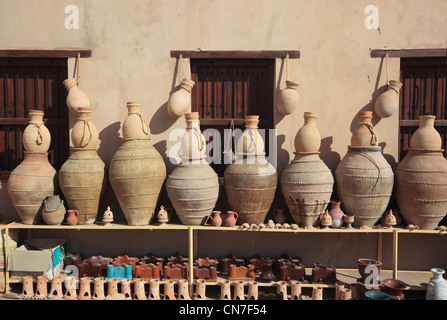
193	185
364	179
421	180
36	136
82	181
180	101
84	133
388	102
288	98
29	184
426	136
137	170
364	135
307	183
75	97
250	182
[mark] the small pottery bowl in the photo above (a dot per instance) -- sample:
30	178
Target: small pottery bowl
394	288
377	295
362	263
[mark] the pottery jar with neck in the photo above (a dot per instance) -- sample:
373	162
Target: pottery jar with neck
135	125
36	136
193	142
84	133
387	103
288	98
180	101
75	97
426	136
364	135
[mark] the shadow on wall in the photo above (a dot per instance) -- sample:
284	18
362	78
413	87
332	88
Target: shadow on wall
278	115
110	142
7	210
331	159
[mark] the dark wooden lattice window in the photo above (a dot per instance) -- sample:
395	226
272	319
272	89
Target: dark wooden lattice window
25	84
424	91
230	89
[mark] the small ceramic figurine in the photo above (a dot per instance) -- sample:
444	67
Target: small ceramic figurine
389	219
107	218
326	220
164	215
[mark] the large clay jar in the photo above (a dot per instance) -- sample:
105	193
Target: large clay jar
421	184
84	133
307	183
75	97
426	136
387	103
36	137
29	184
364	135
288	98
135	125
437	286
137	172
82	181
193	185
180	101
250	182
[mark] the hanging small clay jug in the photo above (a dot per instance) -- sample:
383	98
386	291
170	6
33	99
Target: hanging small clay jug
84	133
138	289
53	210
387	103
168	292
288	98
279	215
56	288
180	101
135	125
295	293
73	216
70	284
239	290
253	290
281	289
154	289
27	286
336	214
317	293
36	137
326	220
216	218
426	136
164	215
84	289
364	135
183	290
225	290
98	289
308	139
41	287
126	289
75	97
231	218
437	286
200	289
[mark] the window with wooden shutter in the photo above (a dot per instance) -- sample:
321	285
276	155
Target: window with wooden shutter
28	83
230	89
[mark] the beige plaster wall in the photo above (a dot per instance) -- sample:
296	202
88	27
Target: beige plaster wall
131	43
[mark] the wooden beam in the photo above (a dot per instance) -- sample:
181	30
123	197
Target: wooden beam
408	53
39	53
235	54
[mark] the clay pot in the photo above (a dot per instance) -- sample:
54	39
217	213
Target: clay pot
364	135
112	287
225	290
421	188
29	184
231	218
437	286
253	290
387	103
84	133
72	218
53	211
180	101
364	182
139	291
308	139
216	218
84	289
394	288
42	287
288	98
82	181
397	218
98	289
133	165
239	290
326	220
250	182
70	288
388	219
317	293
36	137
295	293
56	288
107	217
126	289
345	294
281	288
75	97
169	293
200	289
336	214
27	286
279	215
362	288
164	215
154	289
183	290
426	136
135	125
363	263
338	287
193	143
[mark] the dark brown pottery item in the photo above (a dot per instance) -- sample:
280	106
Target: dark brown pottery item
394	288
362	263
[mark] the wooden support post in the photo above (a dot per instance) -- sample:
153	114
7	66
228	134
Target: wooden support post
380	246
191	258
395	252
6	248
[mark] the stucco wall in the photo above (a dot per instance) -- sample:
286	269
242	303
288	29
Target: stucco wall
131	43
